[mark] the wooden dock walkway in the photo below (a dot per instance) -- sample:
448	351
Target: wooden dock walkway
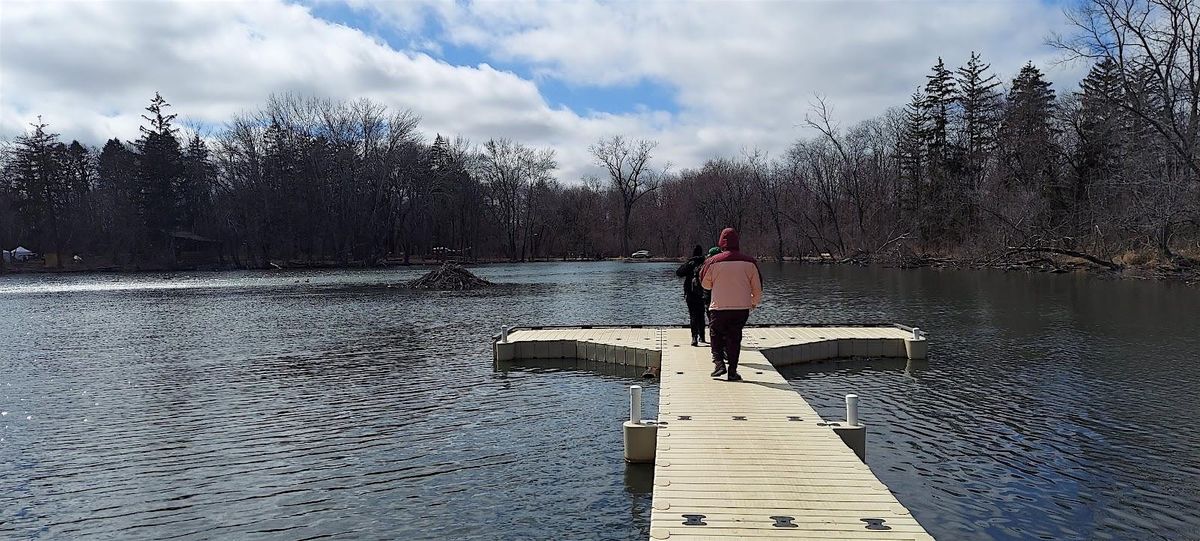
747	460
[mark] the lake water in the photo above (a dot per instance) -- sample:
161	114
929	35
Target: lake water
297	405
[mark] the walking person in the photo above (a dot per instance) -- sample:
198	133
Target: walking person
736	287
694	294
708	294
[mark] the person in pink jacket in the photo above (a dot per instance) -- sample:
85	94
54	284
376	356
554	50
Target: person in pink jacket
736	289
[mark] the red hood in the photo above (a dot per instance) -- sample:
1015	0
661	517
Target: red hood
729	243
729	240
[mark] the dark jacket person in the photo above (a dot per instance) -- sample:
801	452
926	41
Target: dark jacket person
693	293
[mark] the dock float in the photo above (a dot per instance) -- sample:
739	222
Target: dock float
752	459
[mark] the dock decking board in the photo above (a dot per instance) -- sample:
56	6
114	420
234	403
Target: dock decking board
741	472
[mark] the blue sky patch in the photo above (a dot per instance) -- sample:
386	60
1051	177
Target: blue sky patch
609	99
582	99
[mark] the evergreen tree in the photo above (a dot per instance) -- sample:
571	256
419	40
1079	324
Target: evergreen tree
980	104
116	167
116	181
940	97
452	188
78	169
39	182
911	156
1029	137
440	152
196	187
1101	127
160	167
943	191
79	214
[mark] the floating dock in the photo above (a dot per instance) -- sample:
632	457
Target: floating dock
747	460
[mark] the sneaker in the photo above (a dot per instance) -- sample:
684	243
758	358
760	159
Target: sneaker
719	370
695	341
733	376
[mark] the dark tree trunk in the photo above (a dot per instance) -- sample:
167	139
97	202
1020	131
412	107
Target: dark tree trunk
1164	240
625	231
778	240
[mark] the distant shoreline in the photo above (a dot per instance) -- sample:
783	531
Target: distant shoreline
1187	274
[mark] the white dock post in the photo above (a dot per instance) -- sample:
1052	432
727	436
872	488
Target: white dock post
915	347
641	438
635	404
503	350
853	433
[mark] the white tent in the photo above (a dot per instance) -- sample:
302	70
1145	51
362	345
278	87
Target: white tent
20	253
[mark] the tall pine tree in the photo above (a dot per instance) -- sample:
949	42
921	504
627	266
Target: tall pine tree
79	169
980	104
196	186
1029	139
911	158
942	193
39	181
160	168
940	97
1101	128
440	152
116	179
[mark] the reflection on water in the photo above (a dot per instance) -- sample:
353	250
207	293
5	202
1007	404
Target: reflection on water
295	405
911	368
639	484
1050	408
288	405
628	372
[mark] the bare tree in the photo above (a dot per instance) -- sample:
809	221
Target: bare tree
771	182
1155	46
819	168
627	163
852	182
320	181
513	172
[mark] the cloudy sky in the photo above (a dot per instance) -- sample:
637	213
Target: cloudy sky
702	78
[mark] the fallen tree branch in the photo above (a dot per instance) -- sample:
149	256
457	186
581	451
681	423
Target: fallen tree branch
885	245
1072	253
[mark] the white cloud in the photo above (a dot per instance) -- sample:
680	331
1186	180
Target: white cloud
745	72
89	68
748	60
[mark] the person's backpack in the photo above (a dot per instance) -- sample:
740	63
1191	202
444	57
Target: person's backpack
697	286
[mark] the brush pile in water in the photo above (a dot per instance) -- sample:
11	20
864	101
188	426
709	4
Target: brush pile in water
449	277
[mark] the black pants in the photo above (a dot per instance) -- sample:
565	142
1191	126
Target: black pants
727	335
696	309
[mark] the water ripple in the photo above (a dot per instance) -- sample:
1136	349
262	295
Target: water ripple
1061	430
324	404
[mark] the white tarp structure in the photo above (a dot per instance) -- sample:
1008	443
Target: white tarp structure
20	253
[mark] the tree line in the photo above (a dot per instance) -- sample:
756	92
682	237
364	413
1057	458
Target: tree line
972	168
